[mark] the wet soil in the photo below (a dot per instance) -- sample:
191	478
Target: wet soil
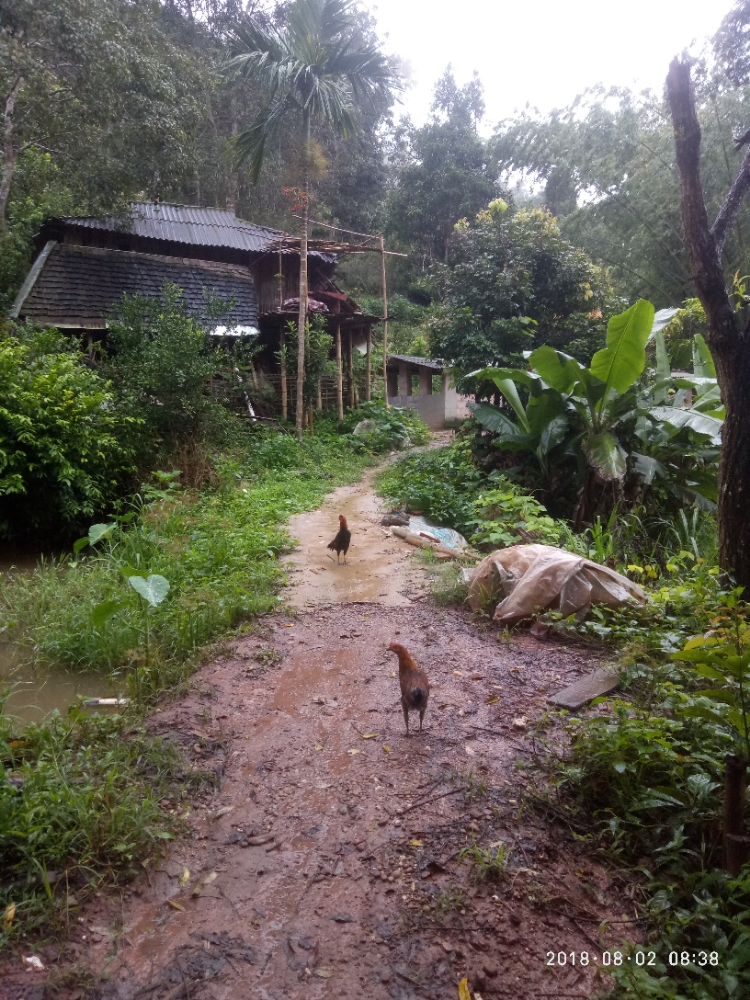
328	864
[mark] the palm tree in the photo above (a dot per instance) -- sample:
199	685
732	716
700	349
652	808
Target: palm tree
317	69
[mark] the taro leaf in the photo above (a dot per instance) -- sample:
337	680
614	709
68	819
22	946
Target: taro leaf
621	362
606	456
153	589
701	423
99	531
80	544
104	611
493	418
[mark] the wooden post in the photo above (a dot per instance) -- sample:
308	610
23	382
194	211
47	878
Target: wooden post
282	368
385	320
350	371
320	395
368	386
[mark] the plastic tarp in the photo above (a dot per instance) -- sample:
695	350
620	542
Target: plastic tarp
529	579
445	536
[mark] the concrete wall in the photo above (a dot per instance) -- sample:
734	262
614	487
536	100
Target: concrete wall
432	409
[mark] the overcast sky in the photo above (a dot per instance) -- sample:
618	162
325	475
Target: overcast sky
541	52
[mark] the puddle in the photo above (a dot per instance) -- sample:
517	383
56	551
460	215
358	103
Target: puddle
38	691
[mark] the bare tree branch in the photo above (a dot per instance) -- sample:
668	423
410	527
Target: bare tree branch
730	208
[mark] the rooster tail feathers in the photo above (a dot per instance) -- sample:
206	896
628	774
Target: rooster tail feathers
417	697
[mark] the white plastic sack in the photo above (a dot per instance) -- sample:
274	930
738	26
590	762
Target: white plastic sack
529	579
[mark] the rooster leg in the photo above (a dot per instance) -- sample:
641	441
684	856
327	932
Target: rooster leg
406	716
421	716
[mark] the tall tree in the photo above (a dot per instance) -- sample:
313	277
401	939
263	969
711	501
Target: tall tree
315	68
728	330
448	173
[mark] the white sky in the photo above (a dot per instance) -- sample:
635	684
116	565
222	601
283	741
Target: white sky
540	52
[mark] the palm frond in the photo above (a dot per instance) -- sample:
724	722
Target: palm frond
250	144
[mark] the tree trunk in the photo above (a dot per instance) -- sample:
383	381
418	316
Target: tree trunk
9	152
728	343
302	322
736	844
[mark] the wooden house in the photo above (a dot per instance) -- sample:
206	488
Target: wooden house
85	265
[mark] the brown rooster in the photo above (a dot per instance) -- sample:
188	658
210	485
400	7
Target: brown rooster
342	540
415	688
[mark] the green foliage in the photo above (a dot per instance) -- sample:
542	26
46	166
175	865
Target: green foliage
37	193
387	429
217	550
81	795
448	173
160	362
513	282
507	516
62	443
442	484
597	424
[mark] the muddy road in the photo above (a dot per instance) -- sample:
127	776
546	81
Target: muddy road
328	863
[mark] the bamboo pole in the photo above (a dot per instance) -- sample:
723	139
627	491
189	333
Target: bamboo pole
350	371
339	374
385	322
368	387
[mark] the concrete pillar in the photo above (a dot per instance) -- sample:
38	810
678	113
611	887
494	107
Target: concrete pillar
392	382
404	379
425	382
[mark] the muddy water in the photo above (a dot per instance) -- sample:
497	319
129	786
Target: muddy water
38	691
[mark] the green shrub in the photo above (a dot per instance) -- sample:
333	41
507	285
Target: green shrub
62	450
507	516
391	428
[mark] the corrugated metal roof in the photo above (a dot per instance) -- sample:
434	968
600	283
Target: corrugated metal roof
424	362
209	227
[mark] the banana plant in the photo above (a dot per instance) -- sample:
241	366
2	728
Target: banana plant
587	403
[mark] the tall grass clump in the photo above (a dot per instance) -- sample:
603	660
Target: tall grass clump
79	807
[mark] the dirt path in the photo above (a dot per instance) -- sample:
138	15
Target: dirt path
327	864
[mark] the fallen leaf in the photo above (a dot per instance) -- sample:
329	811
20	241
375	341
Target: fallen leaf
324	973
352	752
392	675
185	876
369	736
492	699
223	811
319	746
288	625
203	881
16	744
458	673
176	906
387	748
471	752
416	843
10	912
463	990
